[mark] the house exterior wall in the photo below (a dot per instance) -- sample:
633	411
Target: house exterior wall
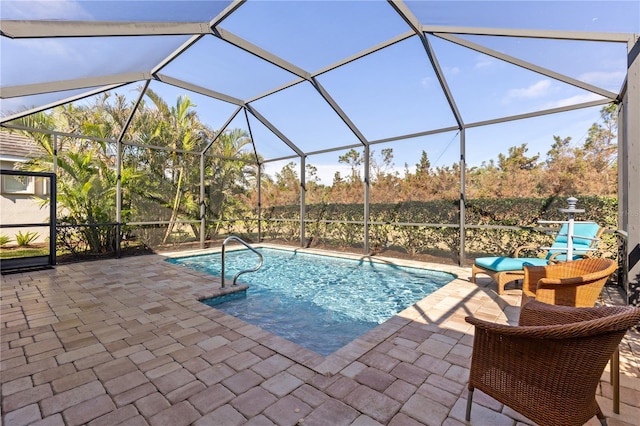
21	198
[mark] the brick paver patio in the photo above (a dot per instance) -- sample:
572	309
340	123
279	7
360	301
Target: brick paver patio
127	342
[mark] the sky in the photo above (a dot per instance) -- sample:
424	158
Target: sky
389	93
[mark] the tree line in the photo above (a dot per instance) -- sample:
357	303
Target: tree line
160	174
566	170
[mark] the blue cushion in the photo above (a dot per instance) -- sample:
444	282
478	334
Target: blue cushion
500	264
580	245
589	230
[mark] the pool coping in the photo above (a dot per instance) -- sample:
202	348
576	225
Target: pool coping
338	360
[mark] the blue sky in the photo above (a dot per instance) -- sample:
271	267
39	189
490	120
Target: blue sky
389	93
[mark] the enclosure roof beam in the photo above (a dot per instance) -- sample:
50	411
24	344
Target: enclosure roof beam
113	141
286	157
340	148
338	64
416	26
17	29
224	126
527	65
78	83
416	135
406	14
275	130
336	108
366	52
356	146
374	142
276	90
192	40
540	113
58	103
260	52
97	139
58	133
199	89
159	148
127	123
549	34
253	142
166	61
442	80
456	128
40	28
240	159
227	11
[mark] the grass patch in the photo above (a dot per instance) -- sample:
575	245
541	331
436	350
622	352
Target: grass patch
18	252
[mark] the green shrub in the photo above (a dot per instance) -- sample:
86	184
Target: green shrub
495	226
4	240
24	240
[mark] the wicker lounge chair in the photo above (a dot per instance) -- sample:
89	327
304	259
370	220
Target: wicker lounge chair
506	269
548	367
578	283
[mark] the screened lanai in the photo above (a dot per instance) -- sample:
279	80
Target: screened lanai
378	123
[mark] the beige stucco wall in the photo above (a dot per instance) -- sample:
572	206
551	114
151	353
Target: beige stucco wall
23	208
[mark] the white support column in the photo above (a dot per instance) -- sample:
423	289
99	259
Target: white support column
629	169
259	174
203	219
303	193
367	187
463	178
118	197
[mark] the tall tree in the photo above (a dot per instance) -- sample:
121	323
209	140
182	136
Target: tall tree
564	169
229	173
600	150
423	167
518	172
354	160
181	128
287	185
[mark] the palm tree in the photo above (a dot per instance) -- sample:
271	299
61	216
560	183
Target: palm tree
86	179
228	179
180	129
171	178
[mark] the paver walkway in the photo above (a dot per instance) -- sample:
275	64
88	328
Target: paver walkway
127	342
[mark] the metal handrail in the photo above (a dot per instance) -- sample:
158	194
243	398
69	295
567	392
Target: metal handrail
238	239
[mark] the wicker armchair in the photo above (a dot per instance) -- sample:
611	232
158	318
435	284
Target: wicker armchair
578	283
548	367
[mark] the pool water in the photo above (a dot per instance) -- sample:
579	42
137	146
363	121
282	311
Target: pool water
319	302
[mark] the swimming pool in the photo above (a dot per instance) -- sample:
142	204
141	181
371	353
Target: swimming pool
319	302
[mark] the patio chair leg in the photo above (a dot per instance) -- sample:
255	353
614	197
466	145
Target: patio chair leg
469	401
614	373
600	415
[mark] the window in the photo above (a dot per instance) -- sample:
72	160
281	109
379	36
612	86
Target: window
12	184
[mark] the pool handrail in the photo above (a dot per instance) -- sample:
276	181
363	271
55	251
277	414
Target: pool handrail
224	245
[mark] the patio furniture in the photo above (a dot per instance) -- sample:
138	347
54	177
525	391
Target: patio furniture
578	283
548	367
506	269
